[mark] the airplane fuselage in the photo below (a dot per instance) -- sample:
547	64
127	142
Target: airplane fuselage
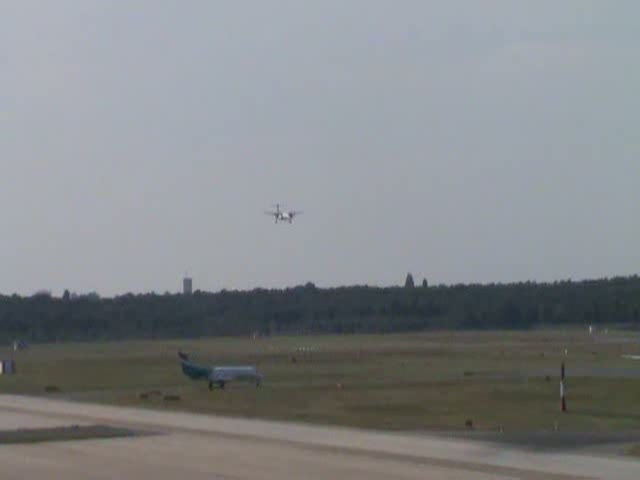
232	373
222	374
284	217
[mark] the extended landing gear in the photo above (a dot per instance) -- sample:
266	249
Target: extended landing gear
220	384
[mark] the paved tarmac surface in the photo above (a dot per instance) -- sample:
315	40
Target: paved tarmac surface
190	446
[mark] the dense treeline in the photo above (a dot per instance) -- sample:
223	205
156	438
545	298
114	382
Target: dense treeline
307	309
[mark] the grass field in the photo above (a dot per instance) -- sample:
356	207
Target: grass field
427	381
60	434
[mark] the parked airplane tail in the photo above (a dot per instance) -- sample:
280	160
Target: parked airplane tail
192	370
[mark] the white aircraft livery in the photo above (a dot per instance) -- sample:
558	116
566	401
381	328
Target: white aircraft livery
219	375
283	215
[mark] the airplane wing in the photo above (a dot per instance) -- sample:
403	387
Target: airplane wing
270	213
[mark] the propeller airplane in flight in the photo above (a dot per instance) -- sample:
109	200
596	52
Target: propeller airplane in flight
283	215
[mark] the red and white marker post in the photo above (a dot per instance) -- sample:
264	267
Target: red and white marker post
563	401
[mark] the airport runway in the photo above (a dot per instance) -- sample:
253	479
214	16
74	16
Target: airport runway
190	446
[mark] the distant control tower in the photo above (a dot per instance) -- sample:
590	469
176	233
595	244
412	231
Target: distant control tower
187	286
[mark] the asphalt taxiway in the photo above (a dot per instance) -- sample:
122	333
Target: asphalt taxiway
192	446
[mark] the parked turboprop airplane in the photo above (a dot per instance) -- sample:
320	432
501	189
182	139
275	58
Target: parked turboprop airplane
219	375
281	215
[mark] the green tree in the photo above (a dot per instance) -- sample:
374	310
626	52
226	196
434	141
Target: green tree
408	283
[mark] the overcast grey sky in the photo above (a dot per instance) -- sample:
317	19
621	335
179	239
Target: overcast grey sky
463	141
